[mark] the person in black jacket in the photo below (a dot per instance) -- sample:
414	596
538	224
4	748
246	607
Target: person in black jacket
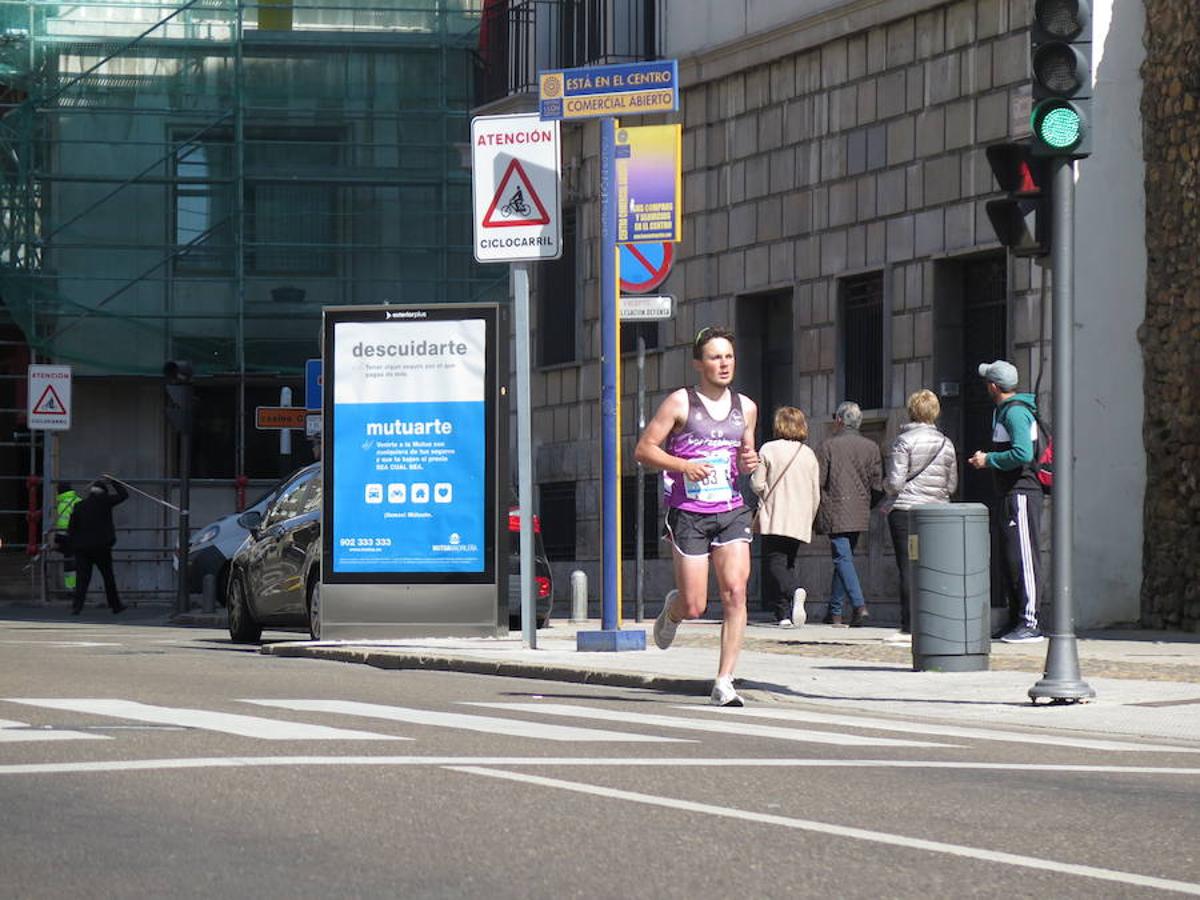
92	537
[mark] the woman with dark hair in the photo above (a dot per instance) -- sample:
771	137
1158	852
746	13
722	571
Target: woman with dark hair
787	482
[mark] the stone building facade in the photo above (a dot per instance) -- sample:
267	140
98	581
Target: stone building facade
1171	334
834	191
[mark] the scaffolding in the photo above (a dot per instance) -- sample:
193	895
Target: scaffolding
195	180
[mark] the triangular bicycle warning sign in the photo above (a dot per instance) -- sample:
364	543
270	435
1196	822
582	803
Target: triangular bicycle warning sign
516	202
49	403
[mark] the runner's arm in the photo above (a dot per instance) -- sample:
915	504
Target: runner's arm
747	457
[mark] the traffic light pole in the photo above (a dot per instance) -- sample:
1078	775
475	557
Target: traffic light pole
1061	682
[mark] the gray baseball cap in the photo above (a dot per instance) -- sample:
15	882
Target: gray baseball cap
1001	373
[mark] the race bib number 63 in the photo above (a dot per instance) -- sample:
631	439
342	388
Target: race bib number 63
715	488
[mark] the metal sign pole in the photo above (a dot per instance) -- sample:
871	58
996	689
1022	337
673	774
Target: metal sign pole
520	288
610	351
1062	682
639	610
610	636
49	508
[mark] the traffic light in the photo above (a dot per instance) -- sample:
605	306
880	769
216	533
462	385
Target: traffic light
178	375
1061	62
1022	219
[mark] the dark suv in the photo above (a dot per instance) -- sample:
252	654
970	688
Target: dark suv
543	582
275	576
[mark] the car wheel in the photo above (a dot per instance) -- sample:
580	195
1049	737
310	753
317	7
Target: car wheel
242	627
314	610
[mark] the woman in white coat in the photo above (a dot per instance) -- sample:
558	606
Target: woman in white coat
788	484
921	468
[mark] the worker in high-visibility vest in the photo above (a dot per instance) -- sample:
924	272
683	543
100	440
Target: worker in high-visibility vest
64	504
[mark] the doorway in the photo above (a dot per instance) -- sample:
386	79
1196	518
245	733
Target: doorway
765	341
971	326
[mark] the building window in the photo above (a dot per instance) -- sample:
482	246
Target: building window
290	215
862	339
557	509
557	322
631	331
651	488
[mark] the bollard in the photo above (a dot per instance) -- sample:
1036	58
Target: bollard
208	593
579	596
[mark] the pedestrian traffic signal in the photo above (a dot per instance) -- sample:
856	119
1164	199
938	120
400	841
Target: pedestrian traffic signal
1061	62
178	375
1022	219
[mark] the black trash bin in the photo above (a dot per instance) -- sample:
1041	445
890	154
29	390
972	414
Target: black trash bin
949	555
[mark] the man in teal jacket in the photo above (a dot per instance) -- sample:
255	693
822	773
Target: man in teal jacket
1011	460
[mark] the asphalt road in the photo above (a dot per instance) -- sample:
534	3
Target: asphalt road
141	760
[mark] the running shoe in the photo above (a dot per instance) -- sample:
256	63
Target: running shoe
785	623
1023	634
664	625
723	693
799	616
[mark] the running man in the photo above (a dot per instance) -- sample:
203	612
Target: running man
702	438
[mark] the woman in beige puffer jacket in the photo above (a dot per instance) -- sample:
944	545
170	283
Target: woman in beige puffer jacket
921	468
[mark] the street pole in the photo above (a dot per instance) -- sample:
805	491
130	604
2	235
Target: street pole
639	610
520	287
1062	682
610	637
610	351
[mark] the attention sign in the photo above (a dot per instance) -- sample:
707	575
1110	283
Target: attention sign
609	90
49	397
516	187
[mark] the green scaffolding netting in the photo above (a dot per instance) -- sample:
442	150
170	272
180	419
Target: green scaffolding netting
198	179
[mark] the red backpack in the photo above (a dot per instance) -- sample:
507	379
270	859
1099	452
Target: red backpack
1043	452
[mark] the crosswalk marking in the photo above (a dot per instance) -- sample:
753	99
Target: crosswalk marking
486	724
12	732
954	731
229	723
739	728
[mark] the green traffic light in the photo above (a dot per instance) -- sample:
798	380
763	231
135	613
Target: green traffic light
1059	127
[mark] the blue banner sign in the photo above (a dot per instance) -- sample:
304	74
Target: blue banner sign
407	480
619	90
312	384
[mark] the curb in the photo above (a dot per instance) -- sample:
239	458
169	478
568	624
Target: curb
675	684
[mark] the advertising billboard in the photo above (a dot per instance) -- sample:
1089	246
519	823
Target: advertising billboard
410	445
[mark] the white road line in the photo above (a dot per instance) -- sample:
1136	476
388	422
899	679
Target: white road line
486	724
229	723
12	732
981	734
544	762
826	829
67	643
739	728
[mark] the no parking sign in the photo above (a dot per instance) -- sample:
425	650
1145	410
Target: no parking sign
644	266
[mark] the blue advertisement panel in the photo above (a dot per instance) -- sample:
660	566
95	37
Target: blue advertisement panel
408	437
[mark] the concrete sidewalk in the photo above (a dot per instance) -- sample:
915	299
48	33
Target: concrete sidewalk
1147	683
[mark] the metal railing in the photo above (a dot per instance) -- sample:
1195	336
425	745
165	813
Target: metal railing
519	38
